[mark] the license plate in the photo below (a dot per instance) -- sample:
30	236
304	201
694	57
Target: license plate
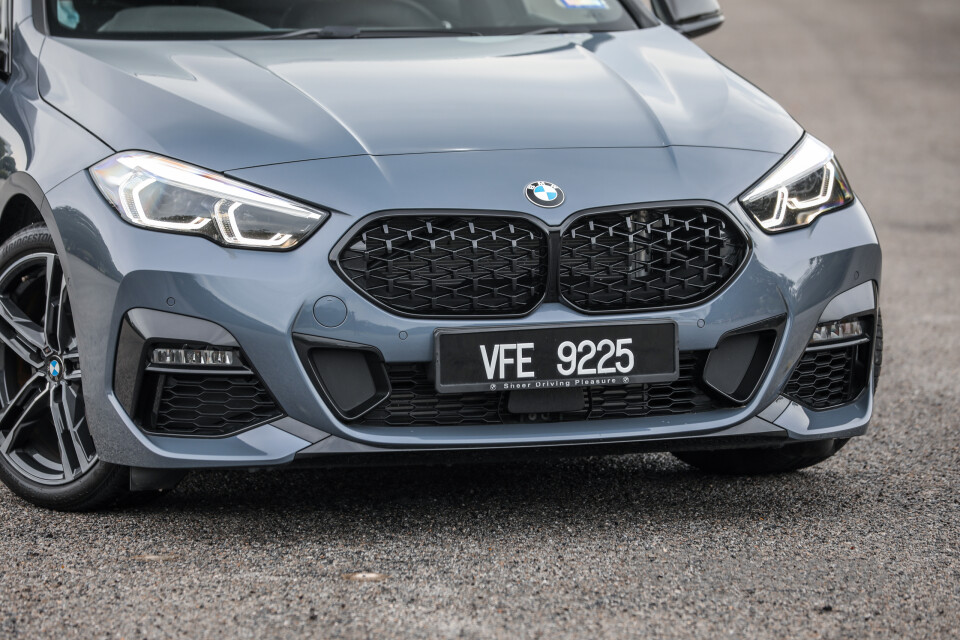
553	357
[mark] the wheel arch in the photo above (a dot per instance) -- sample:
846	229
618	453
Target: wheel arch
18	213
20	195
22	203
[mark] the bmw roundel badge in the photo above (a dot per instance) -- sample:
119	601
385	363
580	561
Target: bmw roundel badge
544	194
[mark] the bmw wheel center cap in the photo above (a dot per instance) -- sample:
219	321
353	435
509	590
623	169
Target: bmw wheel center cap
55	368
544	194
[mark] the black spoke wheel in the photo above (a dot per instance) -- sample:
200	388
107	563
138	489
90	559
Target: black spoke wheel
47	454
43	429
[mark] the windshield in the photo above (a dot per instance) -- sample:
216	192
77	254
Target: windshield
201	19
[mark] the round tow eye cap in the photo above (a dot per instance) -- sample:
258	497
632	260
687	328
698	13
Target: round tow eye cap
330	311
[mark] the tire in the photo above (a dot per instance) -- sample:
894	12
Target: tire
750	462
878	352
47	456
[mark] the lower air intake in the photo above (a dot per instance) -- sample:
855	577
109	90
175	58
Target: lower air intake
830	377
206	404
414	400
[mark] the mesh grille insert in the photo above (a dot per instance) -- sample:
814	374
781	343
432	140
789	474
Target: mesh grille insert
828	378
648	258
449	265
205	404
446	265
414	400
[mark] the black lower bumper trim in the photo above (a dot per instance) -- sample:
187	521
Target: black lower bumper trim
446	457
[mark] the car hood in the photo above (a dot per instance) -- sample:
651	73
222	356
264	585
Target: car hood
234	104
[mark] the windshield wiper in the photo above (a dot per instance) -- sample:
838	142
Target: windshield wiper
341	33
548	30
413	33
321	33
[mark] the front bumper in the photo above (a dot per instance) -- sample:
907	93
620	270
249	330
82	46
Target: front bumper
261	299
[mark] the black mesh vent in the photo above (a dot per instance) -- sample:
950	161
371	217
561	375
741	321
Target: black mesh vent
205	404
414	400
449	265
648	258
827	378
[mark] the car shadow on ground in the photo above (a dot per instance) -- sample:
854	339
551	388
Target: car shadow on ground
624	491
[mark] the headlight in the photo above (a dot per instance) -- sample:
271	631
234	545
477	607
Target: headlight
158	193
808	183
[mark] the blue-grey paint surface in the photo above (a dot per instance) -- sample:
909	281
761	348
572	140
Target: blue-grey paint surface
258	103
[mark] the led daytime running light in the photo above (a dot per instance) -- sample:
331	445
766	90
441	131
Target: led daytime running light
785	201
832	331
194	357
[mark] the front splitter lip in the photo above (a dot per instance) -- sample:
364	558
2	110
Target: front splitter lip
521	434
780	424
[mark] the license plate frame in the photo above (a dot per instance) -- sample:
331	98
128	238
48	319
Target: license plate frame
654	343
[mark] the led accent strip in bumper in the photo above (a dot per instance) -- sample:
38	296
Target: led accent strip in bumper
836	331
194	357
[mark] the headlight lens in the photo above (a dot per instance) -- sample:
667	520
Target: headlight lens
807	184
158	193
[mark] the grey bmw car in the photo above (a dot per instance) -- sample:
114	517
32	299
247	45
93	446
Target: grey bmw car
248	234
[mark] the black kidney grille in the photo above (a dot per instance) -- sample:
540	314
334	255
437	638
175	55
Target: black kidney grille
827	378
648	258
209	405
414	400
449	265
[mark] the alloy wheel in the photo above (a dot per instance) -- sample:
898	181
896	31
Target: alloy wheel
44	434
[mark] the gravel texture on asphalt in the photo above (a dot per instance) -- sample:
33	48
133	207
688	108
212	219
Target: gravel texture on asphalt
865	545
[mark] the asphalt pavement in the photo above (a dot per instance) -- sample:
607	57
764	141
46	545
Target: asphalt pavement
865	545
